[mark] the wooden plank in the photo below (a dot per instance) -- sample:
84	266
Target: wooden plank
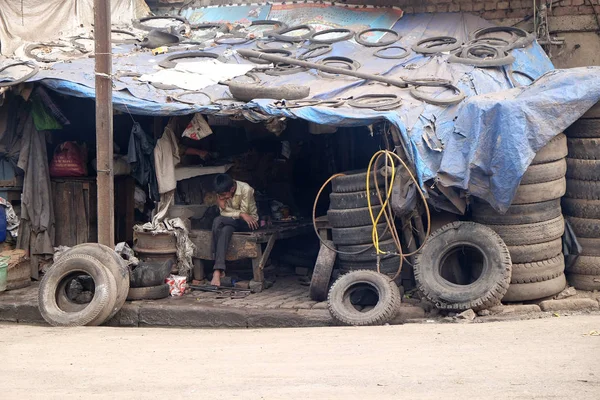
267	252
81	220
257	271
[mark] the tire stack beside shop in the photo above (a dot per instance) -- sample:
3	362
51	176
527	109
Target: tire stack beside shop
581	204
352	227
533	226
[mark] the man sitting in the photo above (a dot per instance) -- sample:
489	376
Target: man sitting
238	213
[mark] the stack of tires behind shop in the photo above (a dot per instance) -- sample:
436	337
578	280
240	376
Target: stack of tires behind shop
533	226
352	225
581	204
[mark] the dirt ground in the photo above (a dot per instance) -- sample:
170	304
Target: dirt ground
535	359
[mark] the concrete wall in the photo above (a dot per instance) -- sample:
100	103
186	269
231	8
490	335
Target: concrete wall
575	20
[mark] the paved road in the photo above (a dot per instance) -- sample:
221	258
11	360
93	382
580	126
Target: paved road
537	359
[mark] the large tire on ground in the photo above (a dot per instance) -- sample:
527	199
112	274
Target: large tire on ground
487	290
584	128
581	208
585	282
535	252
353	217
359	234
517	214
534	291
584	149
590	246
356	181
554	150
540	232
585	170
539	271
387	298
585	228
344	201
113	262
540	192
540	173
584	190
389	266
319	283
54	282
148	293
366	252
586	265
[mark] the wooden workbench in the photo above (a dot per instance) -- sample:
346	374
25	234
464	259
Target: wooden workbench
255	245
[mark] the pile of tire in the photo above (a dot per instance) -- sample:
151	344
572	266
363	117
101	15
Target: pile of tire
97	274
352	226
581	204
533	226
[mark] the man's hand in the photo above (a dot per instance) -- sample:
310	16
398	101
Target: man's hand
252	223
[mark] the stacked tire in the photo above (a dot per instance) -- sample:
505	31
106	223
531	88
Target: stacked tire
533	226
352	226
581	204
88	285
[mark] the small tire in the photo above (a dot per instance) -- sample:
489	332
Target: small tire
540	173
586	265
366	252
553	151
584	128
319	283
584	227
590	246
359	234
342	310
344	201
585	282
356	181
538	271
583	190
535	291
493	281
581	208
540	192
353	217
149	293
584	149
535	252
585	170
68	267
540	232
518	214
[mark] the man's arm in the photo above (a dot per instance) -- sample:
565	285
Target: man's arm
248	205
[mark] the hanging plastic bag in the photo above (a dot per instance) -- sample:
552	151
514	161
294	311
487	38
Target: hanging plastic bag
198	128
70	160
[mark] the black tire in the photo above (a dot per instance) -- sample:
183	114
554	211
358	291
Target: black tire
535	252
148	293
586	265
585	170
484	292
368	251
554	150
584	149
540	192
590	247
538	271
581	208
356	181
517	214
584	190
319	283
114	263
540	173
359	234
250	91
584	128
342	310
388	266
535	291
353	217
344	201
68	267
540	232
585	282
171	60
585	228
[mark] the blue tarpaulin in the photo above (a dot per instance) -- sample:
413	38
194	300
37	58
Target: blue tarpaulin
485	143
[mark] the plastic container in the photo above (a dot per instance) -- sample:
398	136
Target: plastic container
2	224
3	272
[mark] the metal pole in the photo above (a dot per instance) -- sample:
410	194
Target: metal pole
104	123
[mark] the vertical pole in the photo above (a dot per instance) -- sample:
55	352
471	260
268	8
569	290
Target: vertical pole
104	123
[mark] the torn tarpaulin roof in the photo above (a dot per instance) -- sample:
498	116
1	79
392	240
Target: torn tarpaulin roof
471	146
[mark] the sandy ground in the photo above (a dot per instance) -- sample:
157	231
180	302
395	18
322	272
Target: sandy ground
536	359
